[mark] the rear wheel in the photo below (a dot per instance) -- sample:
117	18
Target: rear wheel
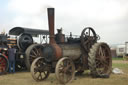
32	52
4	64
100	60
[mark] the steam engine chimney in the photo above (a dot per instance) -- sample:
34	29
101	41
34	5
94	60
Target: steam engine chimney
51	25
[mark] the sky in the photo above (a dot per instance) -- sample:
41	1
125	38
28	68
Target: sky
109	18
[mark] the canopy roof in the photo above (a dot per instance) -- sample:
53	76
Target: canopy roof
19	30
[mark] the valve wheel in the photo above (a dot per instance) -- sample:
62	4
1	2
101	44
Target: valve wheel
65	70
4	64
32	52
39	69
100	60
88	38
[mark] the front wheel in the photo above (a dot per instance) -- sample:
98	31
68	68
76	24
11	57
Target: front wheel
100	60
39	69
65	70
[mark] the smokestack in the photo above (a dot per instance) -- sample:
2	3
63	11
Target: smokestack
51	24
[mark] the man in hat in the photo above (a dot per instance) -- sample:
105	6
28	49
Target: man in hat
11	57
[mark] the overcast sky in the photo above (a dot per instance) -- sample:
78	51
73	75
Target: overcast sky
109	18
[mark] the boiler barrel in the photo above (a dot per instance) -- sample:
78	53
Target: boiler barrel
71	50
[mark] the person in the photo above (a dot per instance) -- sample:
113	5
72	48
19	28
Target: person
11	57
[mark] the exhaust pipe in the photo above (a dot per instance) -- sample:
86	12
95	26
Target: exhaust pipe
51	25
56	47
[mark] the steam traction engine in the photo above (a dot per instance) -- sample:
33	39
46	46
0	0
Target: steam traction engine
23	40
65	58
25	44
3	54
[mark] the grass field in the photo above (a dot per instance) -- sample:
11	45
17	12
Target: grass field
24	78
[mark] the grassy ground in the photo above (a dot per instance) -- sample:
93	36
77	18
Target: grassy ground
24	78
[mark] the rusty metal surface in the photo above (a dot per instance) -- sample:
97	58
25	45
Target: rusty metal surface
51	24
58	51
72	51
59	37
52	52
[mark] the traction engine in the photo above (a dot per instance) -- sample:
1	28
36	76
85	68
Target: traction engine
67	56
4	64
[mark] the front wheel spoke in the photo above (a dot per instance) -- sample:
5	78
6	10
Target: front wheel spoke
40	76
61	65
45	73
61	70
66	68
36	69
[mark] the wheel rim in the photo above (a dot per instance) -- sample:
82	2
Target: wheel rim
65	70
39	69
88	38
103	59
3	64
